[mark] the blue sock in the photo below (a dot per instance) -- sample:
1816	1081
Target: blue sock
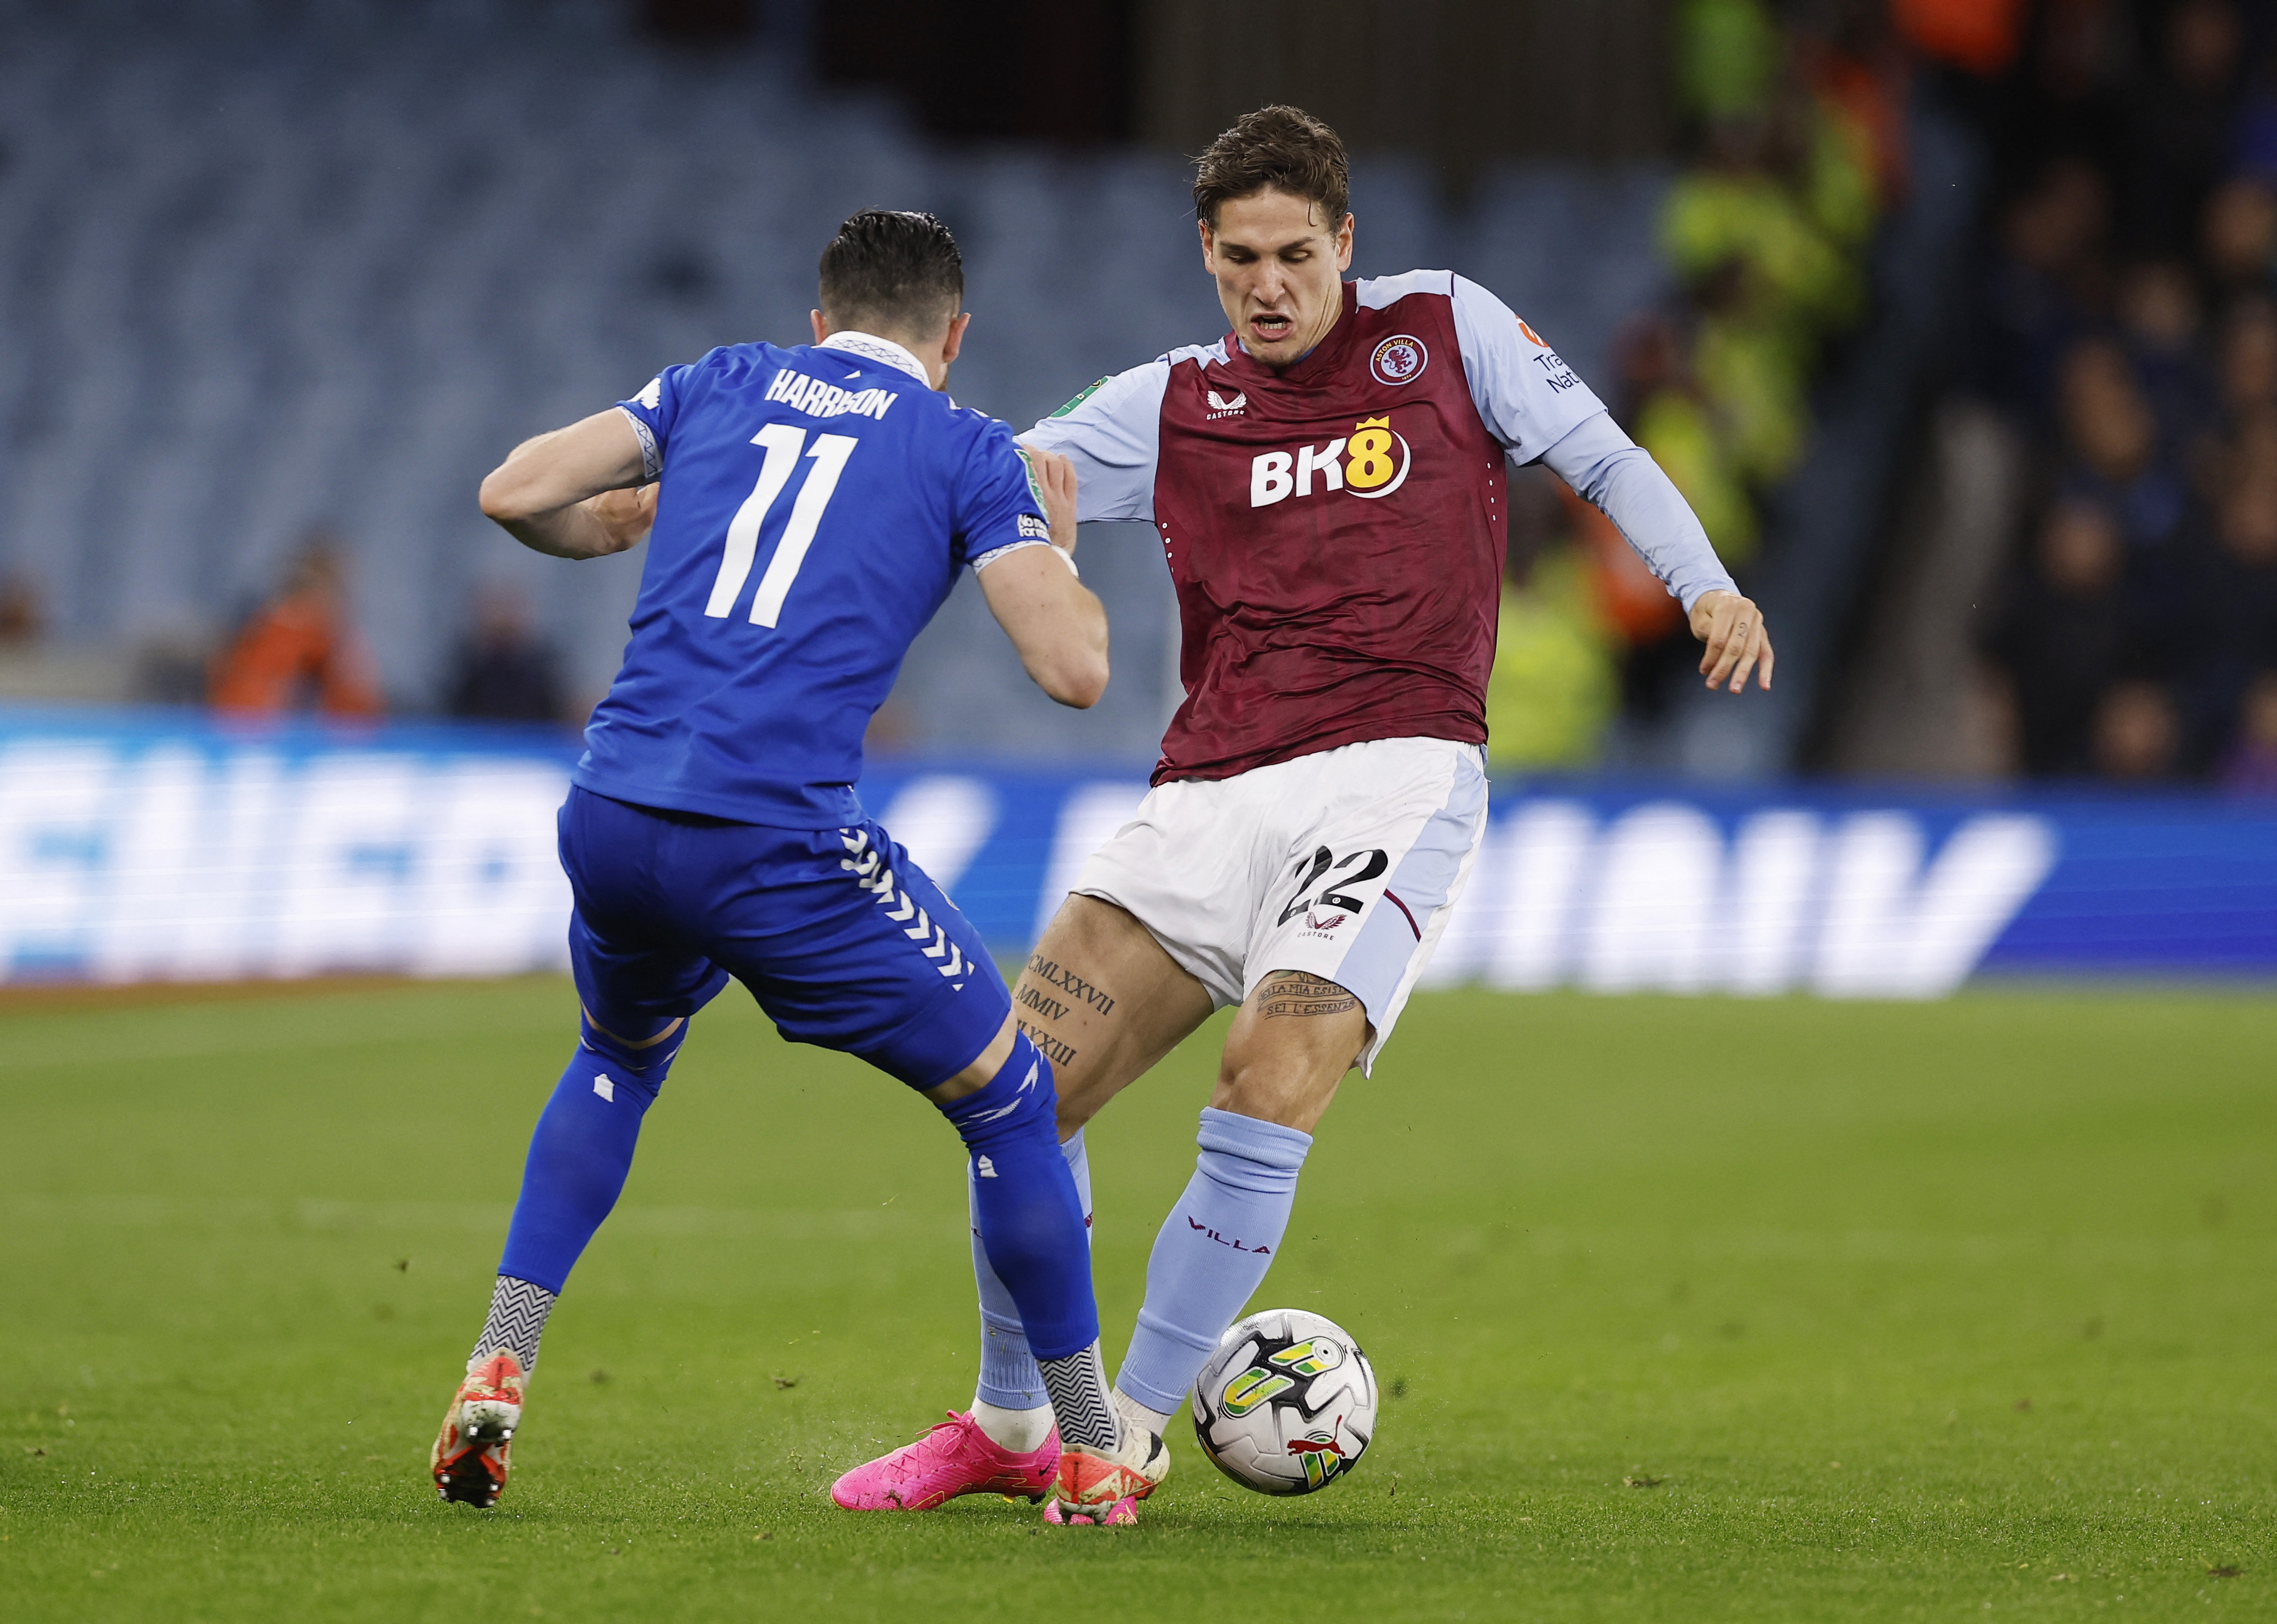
581	1151
1024	1203
1009	1376
1213	1252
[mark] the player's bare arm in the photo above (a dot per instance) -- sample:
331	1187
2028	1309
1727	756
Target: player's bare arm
1733	629
540	493
625	516
1056	623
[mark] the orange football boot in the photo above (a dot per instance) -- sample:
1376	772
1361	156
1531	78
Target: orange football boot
1102	1487
470	1452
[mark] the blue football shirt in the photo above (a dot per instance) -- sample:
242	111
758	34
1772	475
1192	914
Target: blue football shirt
815	506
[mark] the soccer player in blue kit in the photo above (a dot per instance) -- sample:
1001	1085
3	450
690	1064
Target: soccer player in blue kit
813	508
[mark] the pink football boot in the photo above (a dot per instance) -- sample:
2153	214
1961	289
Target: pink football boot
955	1458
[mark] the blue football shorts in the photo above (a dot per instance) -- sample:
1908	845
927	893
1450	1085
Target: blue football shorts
844	942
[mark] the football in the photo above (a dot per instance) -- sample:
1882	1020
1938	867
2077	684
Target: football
1287	1403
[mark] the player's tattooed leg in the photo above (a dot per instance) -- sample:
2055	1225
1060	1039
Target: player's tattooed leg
1294	1038
1292	992
1290	1045
1105	1002
1102	1001
1051	994
1060	1054
1071	986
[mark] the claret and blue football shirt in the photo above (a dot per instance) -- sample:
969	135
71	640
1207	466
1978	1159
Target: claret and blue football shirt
1335	527
815	506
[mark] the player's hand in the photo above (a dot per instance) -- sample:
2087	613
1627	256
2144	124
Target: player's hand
625	517
1056	474
1732	628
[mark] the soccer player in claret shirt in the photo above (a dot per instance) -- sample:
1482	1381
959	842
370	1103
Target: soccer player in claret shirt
1328	480
812	509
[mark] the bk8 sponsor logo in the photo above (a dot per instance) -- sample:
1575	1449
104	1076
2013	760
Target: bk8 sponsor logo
1370	462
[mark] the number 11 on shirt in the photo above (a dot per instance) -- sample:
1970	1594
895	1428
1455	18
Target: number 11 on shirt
783	443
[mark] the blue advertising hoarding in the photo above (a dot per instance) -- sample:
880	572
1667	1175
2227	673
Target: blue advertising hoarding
159	846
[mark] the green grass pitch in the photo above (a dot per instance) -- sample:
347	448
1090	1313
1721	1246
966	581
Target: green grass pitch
1685	1310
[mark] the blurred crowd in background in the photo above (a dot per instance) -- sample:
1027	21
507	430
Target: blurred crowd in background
2125	328
1714	275
1795	128
299	652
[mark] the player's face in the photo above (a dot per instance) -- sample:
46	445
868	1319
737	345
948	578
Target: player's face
1279	267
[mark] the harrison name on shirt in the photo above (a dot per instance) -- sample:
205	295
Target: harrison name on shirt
816	398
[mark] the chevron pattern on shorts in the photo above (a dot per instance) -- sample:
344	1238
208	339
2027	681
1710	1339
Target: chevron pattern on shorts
872	875
1078	1384
518	1312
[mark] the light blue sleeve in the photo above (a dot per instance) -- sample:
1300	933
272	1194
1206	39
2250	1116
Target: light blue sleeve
1620	478
1526	394
1113	434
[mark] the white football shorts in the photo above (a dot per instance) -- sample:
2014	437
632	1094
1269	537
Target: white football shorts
1343	864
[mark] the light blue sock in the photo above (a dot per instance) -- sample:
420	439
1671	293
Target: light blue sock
1009	1376
1213	1252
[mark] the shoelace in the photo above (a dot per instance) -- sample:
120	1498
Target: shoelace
928	1442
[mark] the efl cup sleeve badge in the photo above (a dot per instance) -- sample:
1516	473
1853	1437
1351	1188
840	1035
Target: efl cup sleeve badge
1085	395
1400	358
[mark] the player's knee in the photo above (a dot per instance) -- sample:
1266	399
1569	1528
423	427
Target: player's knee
1019	1100
983	1070
643	1046
1073	1115
1287	1084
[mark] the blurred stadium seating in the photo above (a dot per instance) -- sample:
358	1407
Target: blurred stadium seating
270	268
282	280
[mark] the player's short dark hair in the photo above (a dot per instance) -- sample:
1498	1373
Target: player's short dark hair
1283	148
892	268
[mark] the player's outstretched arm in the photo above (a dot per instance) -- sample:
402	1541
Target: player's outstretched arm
1622	480
1055	621
549	494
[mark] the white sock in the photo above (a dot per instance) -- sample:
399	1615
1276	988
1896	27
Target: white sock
1022	1432
1138	1415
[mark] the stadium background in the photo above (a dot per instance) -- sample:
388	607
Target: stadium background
1932	1287
1957	331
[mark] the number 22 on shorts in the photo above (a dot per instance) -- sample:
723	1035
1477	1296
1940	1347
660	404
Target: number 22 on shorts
1323	861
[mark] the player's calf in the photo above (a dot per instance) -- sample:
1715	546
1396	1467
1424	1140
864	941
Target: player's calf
1030	1220
579	1155
1212	1253
583	1149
